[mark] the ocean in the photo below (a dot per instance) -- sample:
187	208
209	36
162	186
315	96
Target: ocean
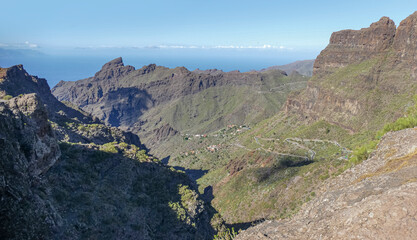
80	64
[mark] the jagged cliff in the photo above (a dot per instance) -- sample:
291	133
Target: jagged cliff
66	178
15	81
28	149
359	77
352	46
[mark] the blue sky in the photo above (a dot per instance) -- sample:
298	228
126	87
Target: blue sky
188	23
70	40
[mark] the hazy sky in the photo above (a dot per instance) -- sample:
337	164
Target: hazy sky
72	39
188	23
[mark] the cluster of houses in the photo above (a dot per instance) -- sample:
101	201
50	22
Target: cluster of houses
191	136
192	152
213	148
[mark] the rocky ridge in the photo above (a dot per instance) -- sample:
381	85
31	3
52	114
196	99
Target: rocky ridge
353	81
304	67
351	46
149	98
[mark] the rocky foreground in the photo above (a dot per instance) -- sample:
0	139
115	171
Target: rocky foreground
376	199
65	176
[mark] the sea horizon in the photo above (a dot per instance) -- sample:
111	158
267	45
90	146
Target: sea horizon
72	66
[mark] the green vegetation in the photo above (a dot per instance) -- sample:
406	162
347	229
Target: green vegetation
109	147
229	234
255	188
361	153
161	198
214	108
186	204
7	97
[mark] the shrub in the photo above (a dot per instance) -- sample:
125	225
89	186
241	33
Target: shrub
7	97
363	152
109	147
409	121
229	234
82	128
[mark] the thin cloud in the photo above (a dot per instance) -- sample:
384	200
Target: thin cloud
25	45
265	46
31	45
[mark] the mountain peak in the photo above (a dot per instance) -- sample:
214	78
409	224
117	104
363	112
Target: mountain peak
113	69
384	21
353	46
405	38
16	70
117	62
147	69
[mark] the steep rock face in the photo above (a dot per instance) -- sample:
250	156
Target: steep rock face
376	199
405	42
352	46
15	81
43	150
113	69
360	75
28	149
70	124
321	100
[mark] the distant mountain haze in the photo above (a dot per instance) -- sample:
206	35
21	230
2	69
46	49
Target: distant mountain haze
304	67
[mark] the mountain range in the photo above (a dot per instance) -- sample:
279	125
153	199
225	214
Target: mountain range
159	104
270	154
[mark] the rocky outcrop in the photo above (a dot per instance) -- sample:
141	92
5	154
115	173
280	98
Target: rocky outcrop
113	69
28	149
15	81
405	42
322	103
353	46
70	124
164	132
39	142
361	72
376	199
